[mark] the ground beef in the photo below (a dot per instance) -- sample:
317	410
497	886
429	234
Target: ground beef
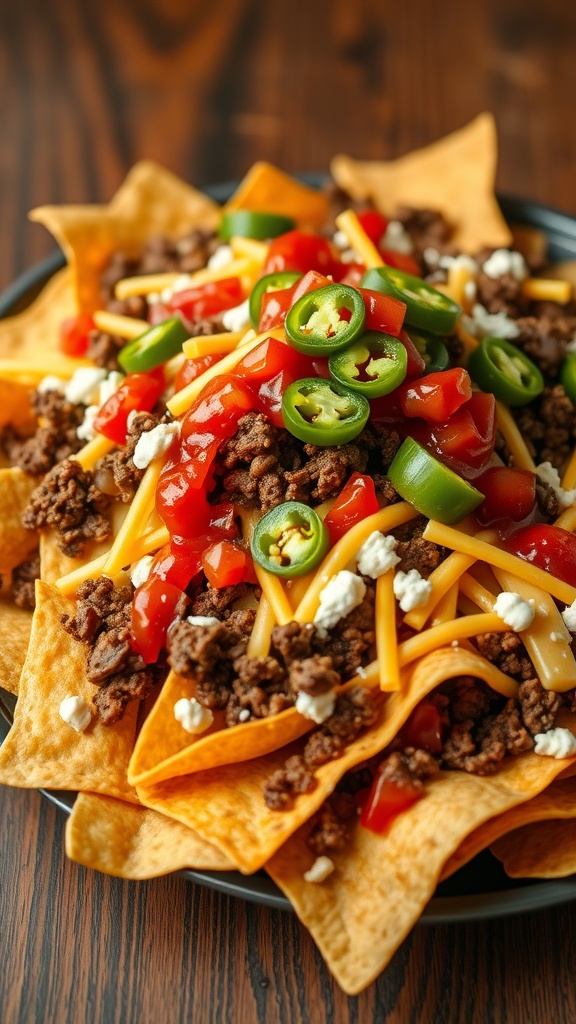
115	473
102	621
160	255
314	675
215	603
547	500
548	426
206	654
103	349
325	471
507	651
56	436
427	229
68	501
260	689
543	343
295	641
354	710
501	294
480	748
345	644
539	706
331	831
23	582
416	553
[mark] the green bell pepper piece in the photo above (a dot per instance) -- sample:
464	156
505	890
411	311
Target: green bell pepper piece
253	224
154	347
503	369
374	365
568	376
426	307
314	324
290	540
432	488
269	283
323	412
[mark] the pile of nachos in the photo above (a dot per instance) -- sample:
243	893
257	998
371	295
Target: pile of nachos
287	501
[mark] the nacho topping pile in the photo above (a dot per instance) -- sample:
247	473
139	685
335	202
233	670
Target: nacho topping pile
301	473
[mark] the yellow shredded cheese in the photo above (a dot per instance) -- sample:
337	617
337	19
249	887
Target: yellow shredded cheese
275	594
569	478
439	636
547	290
366	250
145	284
212	344
121	552
42	366
88	455
458	277
567	521
259	642
446	607
347	548
442	579
250	248
298	587
451	538
475	592
514	440
386	637
144	545
122	326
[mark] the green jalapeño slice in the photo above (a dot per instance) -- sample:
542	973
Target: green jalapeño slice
326	319
432	488
277	282
154	347
291	540
253	224
426	307
432	349
323	411
502	368
373	365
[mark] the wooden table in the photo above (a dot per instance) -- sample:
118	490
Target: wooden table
86	89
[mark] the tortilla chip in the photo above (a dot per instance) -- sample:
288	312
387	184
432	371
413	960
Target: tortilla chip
165	750
363	911
41	750
36	329
16	543
15	626
225	805
267	188
543	850
134	842
455	176
151	201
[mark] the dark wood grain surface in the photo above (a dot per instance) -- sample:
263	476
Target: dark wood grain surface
87	88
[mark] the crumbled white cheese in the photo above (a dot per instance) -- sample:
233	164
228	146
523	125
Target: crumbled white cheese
340	240
85	431
557	638
431	255
569	616
376	556
396	238
514	610
470	289
317	709
244	715
348	256
341	594
51	383
221	257
75	712
505	261
153	443
549	475
464	261
83	386
192	716
555	743
484	324
411	590
238	318
180	284
140	571
321	868
455	643
203	620
109	385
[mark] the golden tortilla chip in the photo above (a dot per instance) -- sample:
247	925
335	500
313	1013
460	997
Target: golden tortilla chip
266	188
36	329
150	201
381	883
134	842
454	175
15	626
41	750
225	805
546	849
165	750
16	543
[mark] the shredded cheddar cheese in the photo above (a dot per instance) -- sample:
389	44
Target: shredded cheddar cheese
212	344
386	637
88	455
122	326
121	552
514	440
348	223
541	289
259	642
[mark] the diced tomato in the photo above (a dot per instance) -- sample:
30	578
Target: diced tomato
402	261
153	610
373	223
549	547
74	334
273	309
356	500
509	493
295	366
192	368
466	441
309	283
302	251
139	391
423	729
225	563
386	314
216	411
437	396
386	800
352	274
206	299
268	359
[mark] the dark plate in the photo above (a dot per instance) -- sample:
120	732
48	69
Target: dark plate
480	890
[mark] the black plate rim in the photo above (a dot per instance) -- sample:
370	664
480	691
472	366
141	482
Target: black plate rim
259	888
